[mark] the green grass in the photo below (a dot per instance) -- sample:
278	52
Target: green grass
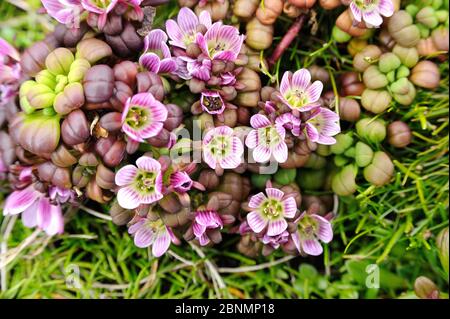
393	227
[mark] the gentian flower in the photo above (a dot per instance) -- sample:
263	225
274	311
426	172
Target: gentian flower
277	240
139	185
322	125
36	209
270	211
290	122
370	11
184	31
267	139
204	220
10	72
221	42
181	182
311	229
298	93
157	57
212	102
61	195
143	116
100	7
187	68
221	148
152	233
64	11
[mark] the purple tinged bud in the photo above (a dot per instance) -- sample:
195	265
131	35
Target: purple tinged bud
33	59
57	176
75	128
93	50
174	117
98	84
59	61
62	157
111	121
70	99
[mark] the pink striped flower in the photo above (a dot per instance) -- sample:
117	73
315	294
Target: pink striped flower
36	209
143	117
139	185
370	11
184	31
222	149
290	122
64	11
10	72
212	102
270	212
181	182
275	241
188	68
311	229
152	233
221	42
298	93
205	220
322	125
267	139
157	57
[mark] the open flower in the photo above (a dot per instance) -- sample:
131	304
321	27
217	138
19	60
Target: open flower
221	148
10	72
322	125
184	31
181	182
36	209
205	220
143	116
267	139
298	93
311	229
101	7
370	11
157	57
212	102
276	241
290	122
221	42
64	11
187	68
270	212
139	185
152	233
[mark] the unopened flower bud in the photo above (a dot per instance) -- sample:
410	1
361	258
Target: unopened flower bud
120	216
343	142
372	130
440	38
104	177
403	91
46	78
427	16
269	12
343	183
245	9
93	50
259	36
426	74
62	157
375	101
373	78
70	99
78	69
111	150
217	9
380	171
399	134
351	85
311	179
366	57
349	109
388	62
75	128
442	244
408	56
126	71
40	96
425	288
33	59
363	154
98	84
345	23
58	176
329	4
403	30
69	37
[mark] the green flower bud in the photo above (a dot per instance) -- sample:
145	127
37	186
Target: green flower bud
402	72
427	16
323	150
343	183
259	180
61	82
315	161
45	77
408	56
70	99
93	50
311	179
389	62
424	31
77	70
343	142
366	57
375	101
59	61
23	91
40	96
372	130
437	4
442	245
340	36
285	176
351	152
402	29
340	160
391	76
442	15
412	9
404	91
425	288
380	171
364	154
373	78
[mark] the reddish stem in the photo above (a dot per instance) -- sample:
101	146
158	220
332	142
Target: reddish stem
287	39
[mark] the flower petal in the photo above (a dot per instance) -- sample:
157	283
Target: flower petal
373	18
257	200
125	175
325	231
280	152
285	84
386	8
175	34
301	79
290	207
56	223
144	236
198	229
150	61
252	139
274	193
161	243
148	164
314	91
18	201
256	221
357	14
311	246
261	154
29	216
205	19
259	121
276	227
128	197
